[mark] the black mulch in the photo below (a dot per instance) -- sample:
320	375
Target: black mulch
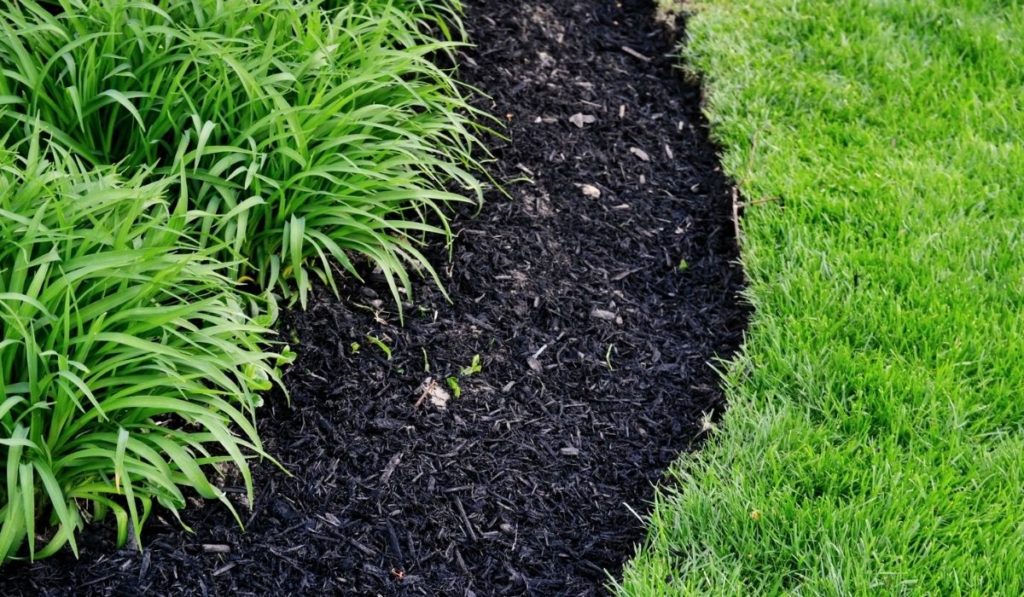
595	319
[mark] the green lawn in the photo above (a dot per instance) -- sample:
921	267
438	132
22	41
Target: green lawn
875	440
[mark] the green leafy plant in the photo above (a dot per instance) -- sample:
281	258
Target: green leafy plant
126	359
298	131
272	141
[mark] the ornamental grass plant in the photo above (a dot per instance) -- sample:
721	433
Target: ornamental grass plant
158	154
129	367
299	132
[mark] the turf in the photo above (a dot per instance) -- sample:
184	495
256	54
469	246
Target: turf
874	442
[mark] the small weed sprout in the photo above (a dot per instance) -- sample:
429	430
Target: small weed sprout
453	383
379	344
474	367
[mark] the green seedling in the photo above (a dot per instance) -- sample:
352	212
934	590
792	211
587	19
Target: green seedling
453	383
379	344
474	367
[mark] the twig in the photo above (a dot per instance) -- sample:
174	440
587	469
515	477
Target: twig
761	201
426	391
465	519
635	54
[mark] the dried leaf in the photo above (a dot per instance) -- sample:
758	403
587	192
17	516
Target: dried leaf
434	392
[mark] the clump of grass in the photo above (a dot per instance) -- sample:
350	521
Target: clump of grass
299	132
126	358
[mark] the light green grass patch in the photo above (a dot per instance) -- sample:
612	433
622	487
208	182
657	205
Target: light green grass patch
875	439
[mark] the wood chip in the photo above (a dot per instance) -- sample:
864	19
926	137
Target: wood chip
465	519
640	154
591	191
216	548
635	54
604	315
623	275
330	519
390	468
366	550
570	452
581	120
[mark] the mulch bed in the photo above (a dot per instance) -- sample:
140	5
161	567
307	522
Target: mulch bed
595	320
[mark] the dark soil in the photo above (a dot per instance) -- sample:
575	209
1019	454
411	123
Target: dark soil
595	320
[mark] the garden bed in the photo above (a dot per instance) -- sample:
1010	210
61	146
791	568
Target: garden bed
596	295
